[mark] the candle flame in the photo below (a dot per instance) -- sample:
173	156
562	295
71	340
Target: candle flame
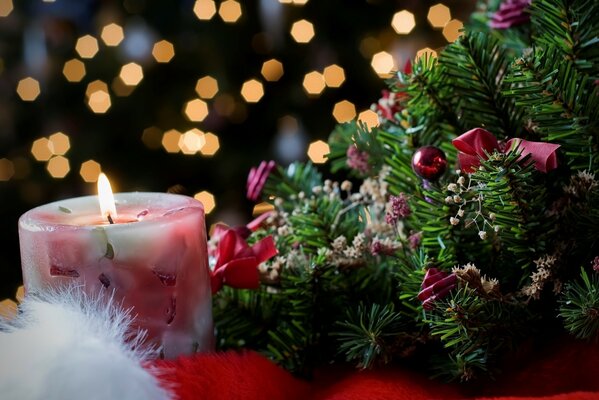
106	198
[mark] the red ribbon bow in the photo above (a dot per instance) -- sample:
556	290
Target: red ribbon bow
435	285
236	261
478	143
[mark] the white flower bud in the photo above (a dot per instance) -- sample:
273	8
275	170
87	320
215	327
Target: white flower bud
452	187
482	234
461	212
454	221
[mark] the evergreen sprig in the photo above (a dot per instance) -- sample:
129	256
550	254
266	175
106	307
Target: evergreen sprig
579	306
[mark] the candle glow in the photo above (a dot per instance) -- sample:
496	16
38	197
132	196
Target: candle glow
106	198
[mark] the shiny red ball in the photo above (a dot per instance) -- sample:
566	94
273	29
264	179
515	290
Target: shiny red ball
429	162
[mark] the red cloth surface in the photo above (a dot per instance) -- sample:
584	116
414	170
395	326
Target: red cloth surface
570	372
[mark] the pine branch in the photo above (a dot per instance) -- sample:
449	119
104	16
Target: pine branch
579	306
288	182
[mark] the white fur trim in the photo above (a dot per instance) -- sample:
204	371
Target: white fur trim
65	345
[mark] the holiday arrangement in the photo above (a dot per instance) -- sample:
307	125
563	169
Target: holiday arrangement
450	237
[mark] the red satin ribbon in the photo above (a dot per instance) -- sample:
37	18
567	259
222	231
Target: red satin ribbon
477	143
236	261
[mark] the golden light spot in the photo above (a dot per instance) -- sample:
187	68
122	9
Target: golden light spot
152	137
229	11
334	76
58	167
163	51
344	111
8	309
74	70
90	170
224	104
438	15
302	31
204	9
131	74
451	31
119	88
403	22
299	2
207	199
7	169
192	141
370	118
207	87
426	51
59	143
6	7
28	89
252	91
369	45
317	151
41	149
112	34
272	70
196	110
170	141
99	101
211	146
261	208
95	86
87	46
314	83
20	294
286	1
383	64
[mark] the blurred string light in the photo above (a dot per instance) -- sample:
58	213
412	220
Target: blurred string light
207	87
90	170
252	90
112	34
272	70
170	141
152	137
41	149
334	76
7	169
28	89
317	152
295	2
438	15
138	42
207	200
230	11
204	9
87	46
344	111
425	52
8	309
6	8
58	167
211	145
314	83
451	31
59	143
52	149
131	74
370	118
261	208
302	31
120	88
192	141
98	97
403	22
74	70
195	110
163	51
383	64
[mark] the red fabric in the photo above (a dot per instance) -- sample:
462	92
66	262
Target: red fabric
568	373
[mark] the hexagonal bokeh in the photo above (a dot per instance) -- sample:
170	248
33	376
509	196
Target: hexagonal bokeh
170	141
192	141
41	149
252	90
207	87
6	8
451	31
196	110
207	199
344	111
7	169
403	22
28	89
131	74
87	46
369	117
152	137
112	35
99	101
427	51
90	170
204	9
302	31
211	146
60	143
230	11
383	63
272	70
58	167
334	76
74	70
317	152
163	51
439	15
314	83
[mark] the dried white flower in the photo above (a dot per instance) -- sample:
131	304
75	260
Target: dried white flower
454	221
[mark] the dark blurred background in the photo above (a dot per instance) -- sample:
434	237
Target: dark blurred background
187	95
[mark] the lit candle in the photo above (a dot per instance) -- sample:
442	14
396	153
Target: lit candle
151	256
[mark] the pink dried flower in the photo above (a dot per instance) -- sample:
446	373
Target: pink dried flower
510	13
436	285
595	264
380	248
357	159
414	240
257	178
399	209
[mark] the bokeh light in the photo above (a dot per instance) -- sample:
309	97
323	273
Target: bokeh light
230	11
403	22
96	86
370	118
302	31
204	9
252	91
170	141
438	15
314	83
317	152
195	110
28	89
192	141
451	31
41	149
131	74
99	101
261	208
58	167
119	88
272	70
344	111
90	170
383	64
74	70
6	8
112	34
152	137
7	169
211	145
59	143
334	76
207	87
8	308
425	52
207	199
163	51
87	46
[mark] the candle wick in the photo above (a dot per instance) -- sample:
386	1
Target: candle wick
110	219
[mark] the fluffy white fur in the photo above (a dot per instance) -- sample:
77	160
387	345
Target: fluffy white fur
65	345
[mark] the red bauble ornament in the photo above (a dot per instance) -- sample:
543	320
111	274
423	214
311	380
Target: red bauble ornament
429	162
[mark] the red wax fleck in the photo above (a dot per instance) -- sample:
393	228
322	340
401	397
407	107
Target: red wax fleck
171	311
166	278
58	271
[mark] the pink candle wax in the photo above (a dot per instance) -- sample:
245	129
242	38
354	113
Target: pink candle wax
153	259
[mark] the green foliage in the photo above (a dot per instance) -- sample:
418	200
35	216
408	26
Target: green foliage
356	134
579	306
296	178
